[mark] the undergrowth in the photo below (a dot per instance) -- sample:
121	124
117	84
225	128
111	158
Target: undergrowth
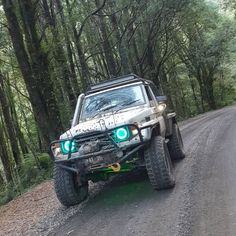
34	170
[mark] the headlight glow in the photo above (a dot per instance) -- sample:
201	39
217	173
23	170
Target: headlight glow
121	134
68	146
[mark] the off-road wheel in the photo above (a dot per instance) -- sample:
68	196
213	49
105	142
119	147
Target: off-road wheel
175	144
68	190
158	164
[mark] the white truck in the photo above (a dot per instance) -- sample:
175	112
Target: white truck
118	125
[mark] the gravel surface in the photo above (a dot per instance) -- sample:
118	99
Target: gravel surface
38	212
202	203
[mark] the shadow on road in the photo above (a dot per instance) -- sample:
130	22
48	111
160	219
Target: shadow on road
126	189
119	201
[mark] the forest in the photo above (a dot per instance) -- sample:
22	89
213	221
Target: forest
52	50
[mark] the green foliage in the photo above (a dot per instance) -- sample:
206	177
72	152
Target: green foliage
34	171
31	173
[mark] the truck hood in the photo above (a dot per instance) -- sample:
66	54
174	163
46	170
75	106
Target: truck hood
110	120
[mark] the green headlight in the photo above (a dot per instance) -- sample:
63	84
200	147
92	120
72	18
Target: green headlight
121	134
67	146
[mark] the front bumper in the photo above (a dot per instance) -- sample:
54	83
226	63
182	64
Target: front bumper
108	146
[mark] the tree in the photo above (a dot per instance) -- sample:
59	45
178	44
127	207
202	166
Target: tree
5	158
11	129
34	68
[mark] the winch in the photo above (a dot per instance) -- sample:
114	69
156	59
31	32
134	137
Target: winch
89	147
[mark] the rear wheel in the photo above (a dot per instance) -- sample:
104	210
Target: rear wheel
175	144
159	165
70	190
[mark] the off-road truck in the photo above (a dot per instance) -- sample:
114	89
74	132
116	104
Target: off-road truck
118	125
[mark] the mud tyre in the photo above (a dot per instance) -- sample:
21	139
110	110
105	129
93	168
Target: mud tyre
68	190
175	144
158	164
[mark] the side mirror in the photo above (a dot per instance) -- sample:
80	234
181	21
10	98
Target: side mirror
161	98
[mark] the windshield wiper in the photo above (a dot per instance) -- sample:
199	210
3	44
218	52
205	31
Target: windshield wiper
105	109
113	106
129	103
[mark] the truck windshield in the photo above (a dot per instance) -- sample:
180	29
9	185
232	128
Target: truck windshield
114	100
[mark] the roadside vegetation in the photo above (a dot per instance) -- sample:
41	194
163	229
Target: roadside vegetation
51	51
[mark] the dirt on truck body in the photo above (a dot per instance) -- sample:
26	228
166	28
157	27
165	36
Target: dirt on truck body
119	125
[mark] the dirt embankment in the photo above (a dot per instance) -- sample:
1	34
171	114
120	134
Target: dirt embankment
37	212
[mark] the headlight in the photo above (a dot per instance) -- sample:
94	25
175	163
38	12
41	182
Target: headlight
161	107
68	146
121	134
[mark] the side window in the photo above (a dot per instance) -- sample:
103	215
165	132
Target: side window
155	90
150	98
149	95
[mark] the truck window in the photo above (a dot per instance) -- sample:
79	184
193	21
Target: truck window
155	90
150	97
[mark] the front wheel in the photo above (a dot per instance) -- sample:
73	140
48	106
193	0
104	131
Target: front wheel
69	190
158	164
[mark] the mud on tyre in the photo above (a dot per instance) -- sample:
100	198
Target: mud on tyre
67	187
175	144
158	164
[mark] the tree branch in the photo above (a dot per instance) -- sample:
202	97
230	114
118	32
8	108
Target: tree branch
87	17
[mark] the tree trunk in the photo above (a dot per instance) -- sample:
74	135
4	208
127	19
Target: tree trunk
59	55
5	157
85	80
106	46
19	134
35	72
9	123
194	94
68	47
121	47
210	99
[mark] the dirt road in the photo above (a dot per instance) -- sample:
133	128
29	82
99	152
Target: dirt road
202	203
